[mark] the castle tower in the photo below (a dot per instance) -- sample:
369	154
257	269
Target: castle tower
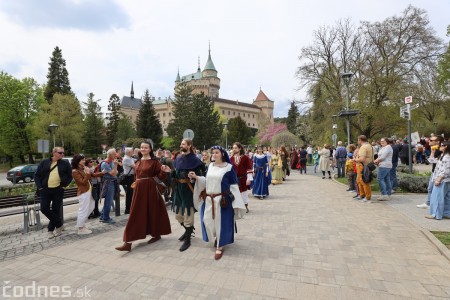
205	81
266	105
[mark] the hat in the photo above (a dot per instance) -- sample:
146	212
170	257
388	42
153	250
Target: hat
350	155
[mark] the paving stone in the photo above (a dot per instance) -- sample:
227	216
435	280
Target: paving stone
344	250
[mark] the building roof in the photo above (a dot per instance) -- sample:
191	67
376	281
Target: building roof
262	97
131	102
209	64
235	102
196	75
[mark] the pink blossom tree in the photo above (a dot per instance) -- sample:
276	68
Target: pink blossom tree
266	135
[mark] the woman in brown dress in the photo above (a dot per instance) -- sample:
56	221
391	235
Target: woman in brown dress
148	213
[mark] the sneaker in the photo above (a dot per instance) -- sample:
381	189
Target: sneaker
84	231
50	234
59	230
363	199
109	221
423	205
382	198
348	190
393	191
430	217
356	197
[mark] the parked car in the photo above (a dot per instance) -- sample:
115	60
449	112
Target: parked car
25	173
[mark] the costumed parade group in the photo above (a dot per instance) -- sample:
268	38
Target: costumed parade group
220	194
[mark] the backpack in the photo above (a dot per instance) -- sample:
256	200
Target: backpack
420	148
367	175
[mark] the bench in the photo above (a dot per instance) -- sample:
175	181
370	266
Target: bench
31	208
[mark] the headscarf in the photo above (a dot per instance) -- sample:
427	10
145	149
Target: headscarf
225	156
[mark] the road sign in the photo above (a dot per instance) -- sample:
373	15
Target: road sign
43	146
414	106
104	146
408	99
405	112
188	134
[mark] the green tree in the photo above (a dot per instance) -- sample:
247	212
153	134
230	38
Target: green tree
58	77
94	124
291	120
125	129
147	121
194	112
181	113
113	118
238	131
19	101
65	111
444	67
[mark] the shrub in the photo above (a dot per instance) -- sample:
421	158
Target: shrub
413	184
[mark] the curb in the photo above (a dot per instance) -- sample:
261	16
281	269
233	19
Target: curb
437	243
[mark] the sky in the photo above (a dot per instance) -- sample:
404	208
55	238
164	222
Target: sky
108	44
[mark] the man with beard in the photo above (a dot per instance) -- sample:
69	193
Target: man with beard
244	170
183	204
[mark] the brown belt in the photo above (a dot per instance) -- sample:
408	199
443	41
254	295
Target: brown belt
183	180
212	203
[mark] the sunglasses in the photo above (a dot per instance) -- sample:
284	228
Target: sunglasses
62	153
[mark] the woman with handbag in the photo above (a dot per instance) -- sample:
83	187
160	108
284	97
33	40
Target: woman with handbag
82	175
148	213
221	204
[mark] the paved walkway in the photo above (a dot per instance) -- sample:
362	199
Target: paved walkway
309	240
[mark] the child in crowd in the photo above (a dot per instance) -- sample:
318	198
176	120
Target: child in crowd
316	159
349	170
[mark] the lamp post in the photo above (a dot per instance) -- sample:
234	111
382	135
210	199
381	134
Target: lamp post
52	128
334	136
346	77
435	127
225	124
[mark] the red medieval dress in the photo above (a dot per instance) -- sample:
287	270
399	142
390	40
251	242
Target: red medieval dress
242	165
148	213
294	159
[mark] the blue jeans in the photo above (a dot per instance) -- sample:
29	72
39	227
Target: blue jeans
108	201
440	201
315	167
393	176
341	167
384	181
430	190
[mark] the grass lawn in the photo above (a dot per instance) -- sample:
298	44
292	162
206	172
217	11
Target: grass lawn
443	236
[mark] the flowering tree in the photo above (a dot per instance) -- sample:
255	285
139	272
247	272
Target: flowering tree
265	136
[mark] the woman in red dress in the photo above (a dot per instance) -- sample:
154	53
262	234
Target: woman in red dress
148	213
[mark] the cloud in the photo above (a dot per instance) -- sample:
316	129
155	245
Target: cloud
89	15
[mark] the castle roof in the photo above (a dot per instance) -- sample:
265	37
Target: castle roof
235	102
209	64
130	102
262	97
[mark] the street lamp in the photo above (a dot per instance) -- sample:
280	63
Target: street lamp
334	136
346	77
225	124
52	128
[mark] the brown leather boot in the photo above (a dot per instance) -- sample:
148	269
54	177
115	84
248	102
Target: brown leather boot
124	247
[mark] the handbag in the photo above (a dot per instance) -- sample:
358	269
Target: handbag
124	179
224	202
371	166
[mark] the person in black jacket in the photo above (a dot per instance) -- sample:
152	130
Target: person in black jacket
52	175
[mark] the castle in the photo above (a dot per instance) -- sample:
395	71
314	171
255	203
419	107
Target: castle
255	114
